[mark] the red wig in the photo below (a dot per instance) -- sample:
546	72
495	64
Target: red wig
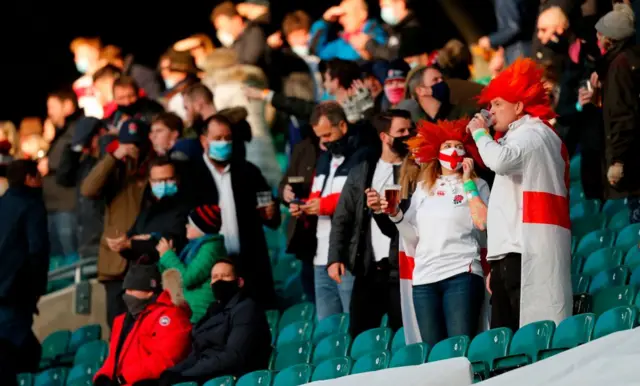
520	82
425	147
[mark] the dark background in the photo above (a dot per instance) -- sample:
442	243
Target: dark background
35	36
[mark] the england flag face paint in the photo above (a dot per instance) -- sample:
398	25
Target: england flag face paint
451	158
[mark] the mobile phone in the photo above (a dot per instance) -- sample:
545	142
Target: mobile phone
586	84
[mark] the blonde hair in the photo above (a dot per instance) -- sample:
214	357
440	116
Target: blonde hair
9	131
409	174
85	41
39	144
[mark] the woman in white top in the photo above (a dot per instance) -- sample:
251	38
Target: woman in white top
445	223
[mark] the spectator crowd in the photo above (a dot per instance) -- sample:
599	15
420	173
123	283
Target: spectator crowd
417	181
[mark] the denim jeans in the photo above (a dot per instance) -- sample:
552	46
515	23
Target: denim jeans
331	297
63	230
449	307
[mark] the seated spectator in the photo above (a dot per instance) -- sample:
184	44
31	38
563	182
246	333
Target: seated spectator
153	335
166	128
205	246
233	338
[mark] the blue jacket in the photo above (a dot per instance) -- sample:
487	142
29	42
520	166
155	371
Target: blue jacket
339	48
24	248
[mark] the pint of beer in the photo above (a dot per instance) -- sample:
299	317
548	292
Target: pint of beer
392	195
264	200
297	185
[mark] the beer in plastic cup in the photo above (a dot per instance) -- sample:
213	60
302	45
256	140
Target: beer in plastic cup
392	195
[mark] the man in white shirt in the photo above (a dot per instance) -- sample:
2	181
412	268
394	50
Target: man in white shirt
365	242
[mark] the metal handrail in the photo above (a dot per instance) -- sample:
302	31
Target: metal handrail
75	270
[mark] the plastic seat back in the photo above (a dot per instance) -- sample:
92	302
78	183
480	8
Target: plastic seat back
588	223
584	208
612	207
580	283
56	344
82	374
292	354
226	380
331	325
273	317
303	312
576	264
453	347
532	338
332	368
490	345
25	379
628	237
411	355
293	376
373	361
284	270
632	259
613	277
384	322
576	194
256	378
613	297
602	260
295	332
330	347
634	279
85	334
376	339
614	320
92	352
574	168
52	377
595	240
619	221
292	293
398	341
574	331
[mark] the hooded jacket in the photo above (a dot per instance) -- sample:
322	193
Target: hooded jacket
159	339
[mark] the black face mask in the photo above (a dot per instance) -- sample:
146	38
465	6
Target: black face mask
198	124
558	44
130	110
136	305
223	290
399	145
337	147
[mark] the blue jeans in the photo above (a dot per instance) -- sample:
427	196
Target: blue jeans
63	230
331	297
449	307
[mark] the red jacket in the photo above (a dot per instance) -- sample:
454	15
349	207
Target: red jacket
159	339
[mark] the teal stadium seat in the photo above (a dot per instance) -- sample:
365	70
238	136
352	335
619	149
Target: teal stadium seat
576	264
376	339
330	347
454	347
613	297
292	292
411	355
331	369
602	260
576	194
635	277
226	380
303	312
486	347
525	345
628	237
54	347
619	221
586	224
612	207
373	361
294	333
273	316
25	379
584	208
385	321
285	270
85	334
256	378
574	168
398	341
595	240
291	354
632	259
331	325
580	283
614	320
293	376
82	374
571	332
92	352
52	377
614	277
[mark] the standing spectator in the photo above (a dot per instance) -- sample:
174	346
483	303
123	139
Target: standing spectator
198	103
62	108
24	262
86	53
529	245
247	39
178	70
166	128
366	243
396	81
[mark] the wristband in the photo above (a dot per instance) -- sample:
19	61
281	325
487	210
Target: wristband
479	134
472	194
578	107
470	186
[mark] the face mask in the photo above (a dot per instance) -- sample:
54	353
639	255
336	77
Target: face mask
300	50
169	84
413	65
394	94
399	145
388	16
337	147
135	305
164	189
440	91
451	158
220	150
225	38
82	65
130	110
558	44
223	290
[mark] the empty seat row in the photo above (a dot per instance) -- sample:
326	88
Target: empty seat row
627	238
60	347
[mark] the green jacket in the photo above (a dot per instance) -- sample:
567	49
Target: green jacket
196	275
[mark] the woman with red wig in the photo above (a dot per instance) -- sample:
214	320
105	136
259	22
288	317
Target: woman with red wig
445	222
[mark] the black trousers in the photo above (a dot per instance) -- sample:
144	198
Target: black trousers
15	360
374	295
115	304
505	287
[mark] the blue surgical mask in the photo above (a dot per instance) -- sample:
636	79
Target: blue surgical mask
169	84
82	65
220	150
164	189
388	16
301	51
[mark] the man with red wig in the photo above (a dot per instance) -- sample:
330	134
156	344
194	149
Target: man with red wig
529	233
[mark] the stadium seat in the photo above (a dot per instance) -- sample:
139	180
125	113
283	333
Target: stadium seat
256	378
574	168
376	339
291	354
85	334
331	369
293	376
611	207
385	321
570	333
373	361
411	355
613	297
619	220
614	320
586	224
602	260
332	346
576	264
453	347
486	347
628	237
25	379
284	270
580	283
576	194
398	341
186	384
82	375
273	317
334	324
584	208
632	259
226	380
302	312
525	345
635	277
54	347
614	277
92	352
292	293
595	240
294	333
52	377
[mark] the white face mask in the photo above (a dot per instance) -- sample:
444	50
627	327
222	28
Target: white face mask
225	38
451	158
301	51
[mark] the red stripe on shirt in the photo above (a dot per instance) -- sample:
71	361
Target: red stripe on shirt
328	204
406	263
546	208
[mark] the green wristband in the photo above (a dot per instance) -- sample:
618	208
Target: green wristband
479	134
470	186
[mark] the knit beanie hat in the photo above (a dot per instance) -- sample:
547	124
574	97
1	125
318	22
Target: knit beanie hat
143	277
618	24
206	218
